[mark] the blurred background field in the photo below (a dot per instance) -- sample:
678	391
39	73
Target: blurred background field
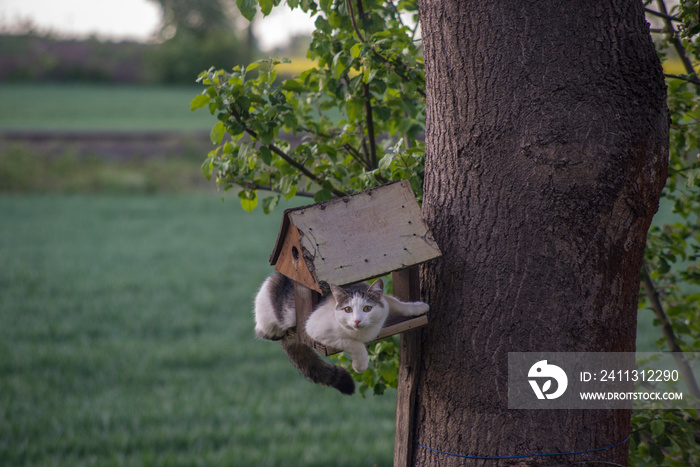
126	284
100	107
126	337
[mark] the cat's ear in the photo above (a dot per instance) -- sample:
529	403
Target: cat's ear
376	290
339	294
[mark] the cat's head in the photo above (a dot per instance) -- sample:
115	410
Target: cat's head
359	308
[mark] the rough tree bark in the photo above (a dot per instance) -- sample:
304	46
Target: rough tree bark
546	152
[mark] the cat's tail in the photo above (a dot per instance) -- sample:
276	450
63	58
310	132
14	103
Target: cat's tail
317	370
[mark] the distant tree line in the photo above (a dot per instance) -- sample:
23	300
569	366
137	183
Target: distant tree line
32	57
193	35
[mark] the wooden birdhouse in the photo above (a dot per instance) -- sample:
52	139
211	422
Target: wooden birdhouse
351	239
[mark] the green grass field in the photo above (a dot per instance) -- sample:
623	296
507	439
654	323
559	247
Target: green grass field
126	338
100	107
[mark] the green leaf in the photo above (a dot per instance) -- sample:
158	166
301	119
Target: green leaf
217	133
293	85
199	101
383	113
322	195
266	6
354	108
290	121
288	187
248	8
657	453
249	199
266	155
356	49
252	66
657	427
207	168
322	25
386	161
325	5
334	19
269	203
389	371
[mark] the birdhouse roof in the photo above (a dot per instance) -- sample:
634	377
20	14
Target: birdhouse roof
353	238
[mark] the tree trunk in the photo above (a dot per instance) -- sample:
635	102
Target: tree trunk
546	152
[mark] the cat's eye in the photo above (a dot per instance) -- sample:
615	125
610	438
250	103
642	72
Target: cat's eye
348	309
367	308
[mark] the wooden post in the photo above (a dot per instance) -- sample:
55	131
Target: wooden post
407	288
304	301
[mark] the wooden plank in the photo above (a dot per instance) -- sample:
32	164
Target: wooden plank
407	288
349	239
290	260
281	235
325	350
403	326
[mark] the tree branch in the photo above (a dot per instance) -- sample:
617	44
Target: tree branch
365	150
286	157
373	163
316	132
692	80
255	186
664	15
677	44
680	125
397	15
685	169
413	33
668	332
394	66
351	11
355	154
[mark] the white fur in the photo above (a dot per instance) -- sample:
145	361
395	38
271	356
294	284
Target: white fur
266	324
334	327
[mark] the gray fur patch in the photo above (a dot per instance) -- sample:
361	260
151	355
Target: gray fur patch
281	295
360	290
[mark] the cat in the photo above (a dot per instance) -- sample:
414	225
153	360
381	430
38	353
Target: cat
347	319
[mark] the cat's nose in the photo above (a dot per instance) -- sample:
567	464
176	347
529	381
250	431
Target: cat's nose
357	321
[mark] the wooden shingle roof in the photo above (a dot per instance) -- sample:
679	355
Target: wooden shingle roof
353	238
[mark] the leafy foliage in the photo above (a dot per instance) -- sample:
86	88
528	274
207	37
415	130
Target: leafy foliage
667	437
355	120
356	117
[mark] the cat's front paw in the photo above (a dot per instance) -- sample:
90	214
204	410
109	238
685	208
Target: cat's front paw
269	334
421	308
360	365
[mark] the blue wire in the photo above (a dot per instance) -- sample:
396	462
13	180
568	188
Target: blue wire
525	455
